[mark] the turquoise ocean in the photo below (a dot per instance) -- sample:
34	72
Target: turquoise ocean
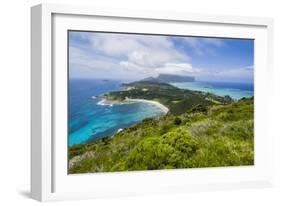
234	90
91	118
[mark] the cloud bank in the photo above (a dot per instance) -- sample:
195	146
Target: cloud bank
131	56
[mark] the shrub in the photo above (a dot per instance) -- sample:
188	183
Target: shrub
205	127
243	129
177	121
149	154
182	140
164	129
198	108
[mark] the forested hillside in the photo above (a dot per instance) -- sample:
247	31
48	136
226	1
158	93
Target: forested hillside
205	135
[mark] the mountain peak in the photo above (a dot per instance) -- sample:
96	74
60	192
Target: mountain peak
175	78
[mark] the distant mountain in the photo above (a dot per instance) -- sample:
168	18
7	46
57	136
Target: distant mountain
151	79
175	78
163	79
167	78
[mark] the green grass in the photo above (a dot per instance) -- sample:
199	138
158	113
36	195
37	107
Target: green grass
203	136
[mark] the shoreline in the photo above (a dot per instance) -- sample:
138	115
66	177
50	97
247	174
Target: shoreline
107	102
159	105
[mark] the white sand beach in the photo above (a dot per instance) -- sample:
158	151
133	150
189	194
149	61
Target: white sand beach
161	106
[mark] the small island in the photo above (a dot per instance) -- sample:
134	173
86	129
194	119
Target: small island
176	100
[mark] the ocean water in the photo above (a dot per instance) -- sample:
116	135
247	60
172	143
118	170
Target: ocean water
234	90
91	118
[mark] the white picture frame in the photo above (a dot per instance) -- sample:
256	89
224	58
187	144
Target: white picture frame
49	178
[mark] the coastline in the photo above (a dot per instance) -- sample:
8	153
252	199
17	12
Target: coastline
105	101
161	106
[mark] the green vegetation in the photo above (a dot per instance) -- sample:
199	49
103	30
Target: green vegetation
205	134
177	100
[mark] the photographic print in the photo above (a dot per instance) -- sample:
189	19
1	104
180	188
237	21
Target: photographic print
141	102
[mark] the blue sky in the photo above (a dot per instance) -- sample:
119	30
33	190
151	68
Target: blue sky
132	57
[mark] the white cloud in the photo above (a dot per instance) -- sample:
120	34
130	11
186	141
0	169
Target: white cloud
142	55
238	73
213	41
107	55
243	74
84	59
167	68
142	50
177	68
203	46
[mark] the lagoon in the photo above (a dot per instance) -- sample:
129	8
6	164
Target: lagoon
234	90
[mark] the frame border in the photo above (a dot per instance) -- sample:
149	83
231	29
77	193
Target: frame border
42	84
